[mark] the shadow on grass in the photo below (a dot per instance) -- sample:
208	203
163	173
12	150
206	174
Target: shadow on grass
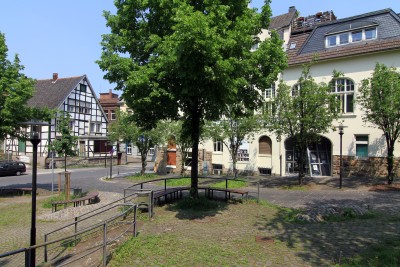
322	243
197	209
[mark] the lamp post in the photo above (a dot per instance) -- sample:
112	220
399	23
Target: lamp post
341	155
34	138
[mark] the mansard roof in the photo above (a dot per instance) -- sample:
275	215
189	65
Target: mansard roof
309	45
51	93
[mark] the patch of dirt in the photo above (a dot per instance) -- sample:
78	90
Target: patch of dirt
385	187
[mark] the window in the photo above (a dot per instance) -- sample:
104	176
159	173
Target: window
350	37
265	145
362	146
344	90
113	117
70	108
344	38
370	34
152	151
71	125
270	92
243	155
82	88
218	146
129	149
98	127
295	90
356	36
92	127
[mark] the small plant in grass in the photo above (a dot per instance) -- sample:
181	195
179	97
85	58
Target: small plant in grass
231	184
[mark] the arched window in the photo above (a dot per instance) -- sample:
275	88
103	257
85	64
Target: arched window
265	145
344	91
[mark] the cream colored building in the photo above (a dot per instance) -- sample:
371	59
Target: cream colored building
352	46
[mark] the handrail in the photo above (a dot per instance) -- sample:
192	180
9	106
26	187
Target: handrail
168	178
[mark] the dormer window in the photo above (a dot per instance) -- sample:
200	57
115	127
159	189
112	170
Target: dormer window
351	33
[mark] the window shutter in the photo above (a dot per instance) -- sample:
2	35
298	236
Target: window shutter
265	145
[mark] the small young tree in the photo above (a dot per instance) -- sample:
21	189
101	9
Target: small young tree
66	145
124	128
233	130
379	98
302	113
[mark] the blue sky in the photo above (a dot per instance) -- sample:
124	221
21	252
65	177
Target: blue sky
64	36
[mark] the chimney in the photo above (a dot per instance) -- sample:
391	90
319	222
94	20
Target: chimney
110	92
55	76
292	9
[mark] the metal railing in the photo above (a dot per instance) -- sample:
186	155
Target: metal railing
59	251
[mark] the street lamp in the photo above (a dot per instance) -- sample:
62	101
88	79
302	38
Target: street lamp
34	138
340	127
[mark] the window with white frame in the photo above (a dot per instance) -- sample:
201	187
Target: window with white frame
344	91
70	108
92	127
295	90
152	151
218	146
98	127
129	149
71	124
113	116
354	36
270	91
362	146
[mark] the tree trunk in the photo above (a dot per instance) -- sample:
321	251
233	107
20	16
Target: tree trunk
195	152
65	162
235	171
390	162
301	162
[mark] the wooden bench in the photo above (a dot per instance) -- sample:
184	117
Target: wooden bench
90	198
15	191
228	192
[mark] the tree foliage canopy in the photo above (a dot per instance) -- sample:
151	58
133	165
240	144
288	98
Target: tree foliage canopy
15	90
186	58
379	99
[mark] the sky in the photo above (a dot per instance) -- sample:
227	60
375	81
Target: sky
64	36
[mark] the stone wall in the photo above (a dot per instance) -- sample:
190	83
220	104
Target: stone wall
363	167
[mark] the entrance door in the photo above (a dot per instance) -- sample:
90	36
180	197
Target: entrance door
21	146
318	156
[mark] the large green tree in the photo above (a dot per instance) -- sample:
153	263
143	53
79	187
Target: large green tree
186	58
379	98
66	144
303	112
15	90
126	129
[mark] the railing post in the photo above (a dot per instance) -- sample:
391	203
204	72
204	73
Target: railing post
45	248
105	245
134	220
141	185
226	187
124	195
76	228
27	258
258	192
165	184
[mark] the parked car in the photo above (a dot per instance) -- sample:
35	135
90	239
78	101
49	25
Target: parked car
12	168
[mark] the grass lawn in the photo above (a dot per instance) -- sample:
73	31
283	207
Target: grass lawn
250	234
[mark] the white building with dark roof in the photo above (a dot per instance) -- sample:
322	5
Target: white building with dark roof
88	121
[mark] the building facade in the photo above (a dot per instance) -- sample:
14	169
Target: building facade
352	46
88	121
